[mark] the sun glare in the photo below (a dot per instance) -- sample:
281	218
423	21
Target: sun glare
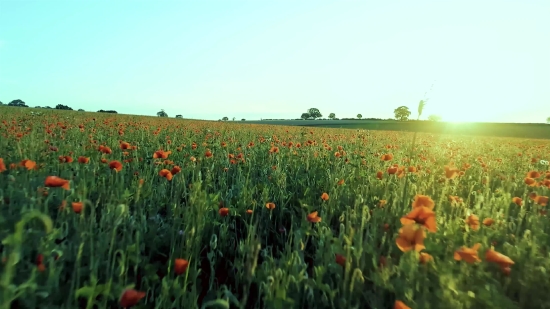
467	116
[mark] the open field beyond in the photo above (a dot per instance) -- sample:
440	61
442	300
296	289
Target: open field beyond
521	130
111	211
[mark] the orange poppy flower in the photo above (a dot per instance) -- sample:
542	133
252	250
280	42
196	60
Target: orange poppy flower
160	154
423	200
387	157
392	170
541	200
56	182
455	199
224	211
65	159
176	169
469	255
166	174
39	259
423	216
2	165
411	237
473	222
324	196
180	266
83	160
77	207
498	258
530	182
125	145
451	172
518	201
105	149
340	260
270	206
313	218
115	165
400	305
533	174
425	258
488	221
502	260
130	298
28	164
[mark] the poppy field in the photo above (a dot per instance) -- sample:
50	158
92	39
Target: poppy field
119	211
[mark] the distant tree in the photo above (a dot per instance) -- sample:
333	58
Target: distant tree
81	110
48	107
243	119
314	113
359	116
434	118
331	116
305	116
233	118
1	103
37	107
179	116
402	113
109	111
548	120
61	106
18	103
162	113
225	118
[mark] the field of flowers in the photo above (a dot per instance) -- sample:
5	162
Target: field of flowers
103	211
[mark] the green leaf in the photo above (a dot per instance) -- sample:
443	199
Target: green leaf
85	292
9	240
216	304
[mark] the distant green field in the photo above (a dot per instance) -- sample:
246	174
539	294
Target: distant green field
521	130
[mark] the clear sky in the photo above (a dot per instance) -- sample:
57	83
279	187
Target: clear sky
487	60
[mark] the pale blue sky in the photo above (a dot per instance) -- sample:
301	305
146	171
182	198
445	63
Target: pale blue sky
487	60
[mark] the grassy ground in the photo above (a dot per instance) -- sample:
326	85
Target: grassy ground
111	211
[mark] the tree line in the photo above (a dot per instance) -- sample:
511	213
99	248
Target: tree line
402	113
21	103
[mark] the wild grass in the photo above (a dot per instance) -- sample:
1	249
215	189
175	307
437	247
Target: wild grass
210	237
